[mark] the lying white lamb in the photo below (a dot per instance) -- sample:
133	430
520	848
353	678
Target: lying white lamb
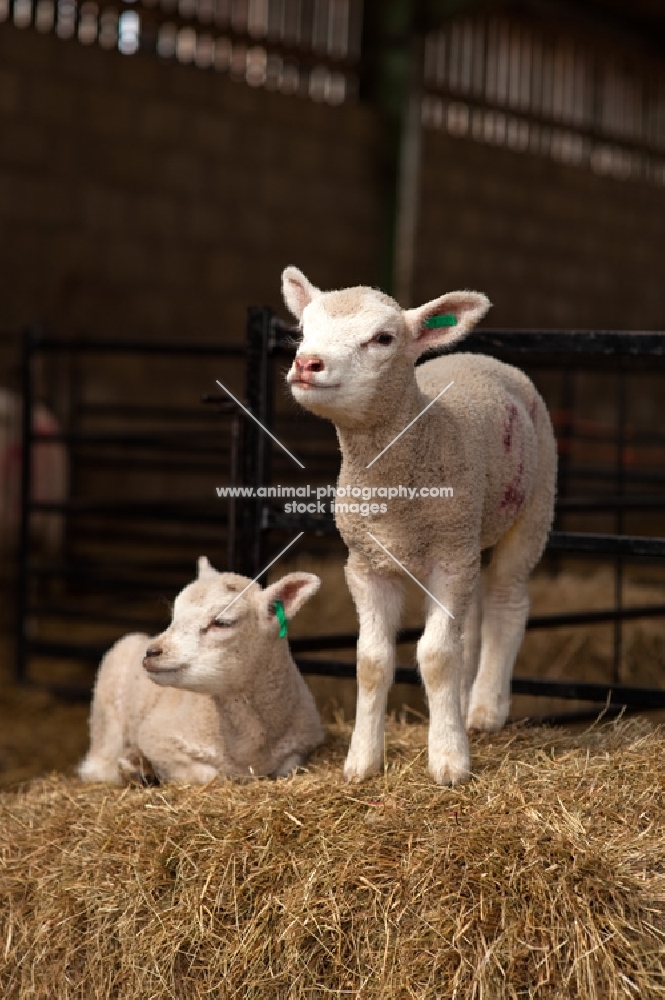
489	437
216	693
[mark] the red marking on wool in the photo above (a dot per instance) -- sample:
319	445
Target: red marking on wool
514	494
533	410
509	426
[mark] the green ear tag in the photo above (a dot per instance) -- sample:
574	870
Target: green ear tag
448	319
281	617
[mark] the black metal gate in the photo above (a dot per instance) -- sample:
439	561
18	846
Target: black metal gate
253	523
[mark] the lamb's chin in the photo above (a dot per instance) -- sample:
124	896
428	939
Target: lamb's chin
320	400
167	676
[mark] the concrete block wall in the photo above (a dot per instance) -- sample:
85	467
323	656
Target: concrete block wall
552	245
139	197
142	197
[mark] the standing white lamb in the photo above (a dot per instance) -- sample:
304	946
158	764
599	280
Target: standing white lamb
216	693
489	437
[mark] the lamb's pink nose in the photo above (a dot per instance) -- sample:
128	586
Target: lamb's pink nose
308	363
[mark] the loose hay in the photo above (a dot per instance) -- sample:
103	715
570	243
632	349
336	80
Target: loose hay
544	877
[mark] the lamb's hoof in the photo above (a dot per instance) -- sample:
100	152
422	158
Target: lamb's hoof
95	769
450	770
292	765
135	769
357	769
486	719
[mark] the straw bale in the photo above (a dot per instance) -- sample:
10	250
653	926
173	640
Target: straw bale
544	877
38	733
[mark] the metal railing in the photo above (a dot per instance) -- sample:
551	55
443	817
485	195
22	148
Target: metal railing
56	588
252	524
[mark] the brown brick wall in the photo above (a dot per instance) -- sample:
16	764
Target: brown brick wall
143	197
553	246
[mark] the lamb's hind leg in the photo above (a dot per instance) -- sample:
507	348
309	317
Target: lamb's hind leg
472	627
106	744
504	614
108	716
506	597
378	601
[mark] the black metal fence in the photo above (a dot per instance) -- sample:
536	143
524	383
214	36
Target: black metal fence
249	532
123	553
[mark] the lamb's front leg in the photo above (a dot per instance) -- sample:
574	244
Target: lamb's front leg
441	660
378	600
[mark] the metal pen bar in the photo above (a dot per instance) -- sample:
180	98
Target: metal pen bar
647	344
30	337
575	542
616	694
192	443
122	621
601	505
621	407
585	543
348	640
152	510
177	348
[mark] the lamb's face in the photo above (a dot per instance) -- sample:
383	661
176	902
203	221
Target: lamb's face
206	646
353	350
223	631
355	360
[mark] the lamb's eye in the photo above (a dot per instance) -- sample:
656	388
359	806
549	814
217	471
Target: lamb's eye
222	623
383	339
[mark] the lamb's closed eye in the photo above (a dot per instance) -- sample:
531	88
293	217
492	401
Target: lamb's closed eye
383	339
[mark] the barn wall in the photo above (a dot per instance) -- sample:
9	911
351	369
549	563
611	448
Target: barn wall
144	197
141	197
552	245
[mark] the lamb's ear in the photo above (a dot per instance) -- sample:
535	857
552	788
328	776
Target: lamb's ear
297	290
292	590
205	570
446	320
